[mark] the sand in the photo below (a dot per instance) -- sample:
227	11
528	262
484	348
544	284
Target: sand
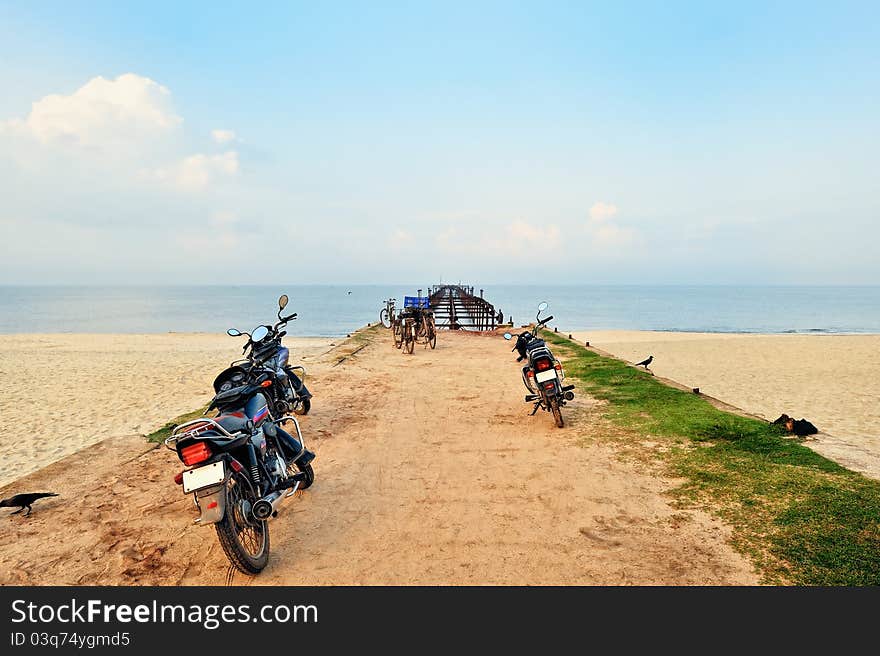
64	392
832	380
429	470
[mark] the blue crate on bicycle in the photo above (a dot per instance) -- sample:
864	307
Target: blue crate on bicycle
416	302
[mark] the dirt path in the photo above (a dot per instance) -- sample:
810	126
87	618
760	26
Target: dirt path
429	471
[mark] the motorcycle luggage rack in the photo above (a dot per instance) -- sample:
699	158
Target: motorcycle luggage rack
299	434
205	423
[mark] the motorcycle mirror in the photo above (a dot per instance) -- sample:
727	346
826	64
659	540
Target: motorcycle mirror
282	301
508	336
259	333
543	306
233	332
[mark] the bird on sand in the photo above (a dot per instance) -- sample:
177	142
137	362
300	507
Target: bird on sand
645	363
22	501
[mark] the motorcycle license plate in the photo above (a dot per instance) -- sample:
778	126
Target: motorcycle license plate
541	376
196	479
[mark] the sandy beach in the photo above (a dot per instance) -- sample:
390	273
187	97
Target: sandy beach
832	380
419	480
64	392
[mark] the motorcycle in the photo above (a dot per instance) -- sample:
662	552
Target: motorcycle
268	356
542	375
240	465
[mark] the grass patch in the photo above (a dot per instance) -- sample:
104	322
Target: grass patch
162	433
804	519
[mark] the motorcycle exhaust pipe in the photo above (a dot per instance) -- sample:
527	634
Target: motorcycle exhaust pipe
266	507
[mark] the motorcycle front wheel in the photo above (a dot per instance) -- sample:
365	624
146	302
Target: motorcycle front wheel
245	540
302	407
294	467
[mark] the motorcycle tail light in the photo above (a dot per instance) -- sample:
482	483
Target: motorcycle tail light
542	365
530	373
558	367
195	453
549	385
266	383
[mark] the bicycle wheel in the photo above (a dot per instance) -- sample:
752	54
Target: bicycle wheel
409	336
384	319
397	333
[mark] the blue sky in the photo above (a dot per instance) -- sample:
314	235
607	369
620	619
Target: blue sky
645	142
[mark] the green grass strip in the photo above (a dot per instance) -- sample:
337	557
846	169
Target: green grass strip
802	518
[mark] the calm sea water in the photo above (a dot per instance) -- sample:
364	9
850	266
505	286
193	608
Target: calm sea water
334	310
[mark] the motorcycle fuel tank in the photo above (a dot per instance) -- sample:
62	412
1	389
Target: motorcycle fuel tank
257	409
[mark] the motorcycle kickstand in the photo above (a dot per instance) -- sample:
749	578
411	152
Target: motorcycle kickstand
535	409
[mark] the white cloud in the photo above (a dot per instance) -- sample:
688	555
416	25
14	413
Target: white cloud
604	232
401	240
223	136
600	212
508	240
100	113
198	171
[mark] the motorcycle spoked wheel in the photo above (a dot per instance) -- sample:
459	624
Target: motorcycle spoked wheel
298	406
557	412
302	406
245	540
294	467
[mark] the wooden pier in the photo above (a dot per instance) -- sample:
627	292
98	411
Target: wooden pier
456	307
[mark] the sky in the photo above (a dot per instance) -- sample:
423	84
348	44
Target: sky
494	142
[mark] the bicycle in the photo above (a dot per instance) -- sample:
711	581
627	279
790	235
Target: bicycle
408	331
427	329
386	314
397	331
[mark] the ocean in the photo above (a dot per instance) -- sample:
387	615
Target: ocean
335	310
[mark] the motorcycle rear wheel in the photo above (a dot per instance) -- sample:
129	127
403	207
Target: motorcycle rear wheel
557	413
245	541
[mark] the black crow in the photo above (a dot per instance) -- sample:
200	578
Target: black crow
645	363
22	501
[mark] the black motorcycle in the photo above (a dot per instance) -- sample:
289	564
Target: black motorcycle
240	465
543	374
266	356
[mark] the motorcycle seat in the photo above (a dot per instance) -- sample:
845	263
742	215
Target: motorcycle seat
542	352
233	423
535	343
